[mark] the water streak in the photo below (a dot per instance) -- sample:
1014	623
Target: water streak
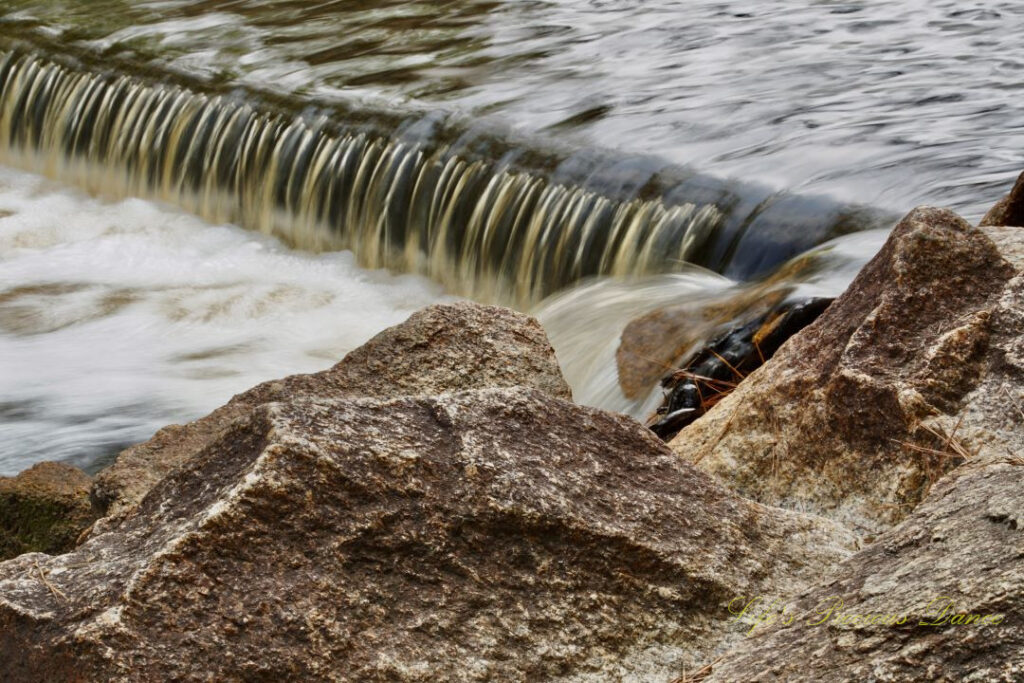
506	229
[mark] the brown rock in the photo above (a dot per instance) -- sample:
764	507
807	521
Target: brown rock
439	349
652	345
1009	210
44	509
498	534
960	553
842	420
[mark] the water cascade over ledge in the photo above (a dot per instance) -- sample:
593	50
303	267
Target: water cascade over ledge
488	218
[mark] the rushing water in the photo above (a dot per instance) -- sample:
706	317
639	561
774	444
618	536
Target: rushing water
117	318
885	102
505	150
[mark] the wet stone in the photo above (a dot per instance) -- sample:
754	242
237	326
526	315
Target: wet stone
722	364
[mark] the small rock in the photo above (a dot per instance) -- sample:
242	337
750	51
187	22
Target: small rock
660	339
720	366
1008	211
44	509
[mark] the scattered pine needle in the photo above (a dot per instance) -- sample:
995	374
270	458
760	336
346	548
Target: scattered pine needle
700	674
952	435
686	374
729	365
926	450
1014	401
46	582
951	443
952	447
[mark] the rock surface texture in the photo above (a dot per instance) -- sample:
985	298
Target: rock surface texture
439	349
433	508
953	572
498	534
858	415
940	596
44	509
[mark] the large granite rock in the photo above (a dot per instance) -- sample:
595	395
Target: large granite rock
439	349
859	414
499	534
938	598
44	509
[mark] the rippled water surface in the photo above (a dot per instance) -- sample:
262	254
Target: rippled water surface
891	103
118	316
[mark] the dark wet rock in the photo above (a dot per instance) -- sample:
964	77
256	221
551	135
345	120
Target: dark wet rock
44	509
722	364
439	349
858	415
499	534
654	343
1008	211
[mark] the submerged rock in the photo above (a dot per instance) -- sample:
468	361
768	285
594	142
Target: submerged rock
656	342
499	534
653	344
44	509
440	349
858	415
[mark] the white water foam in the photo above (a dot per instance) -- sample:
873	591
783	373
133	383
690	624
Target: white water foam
117	318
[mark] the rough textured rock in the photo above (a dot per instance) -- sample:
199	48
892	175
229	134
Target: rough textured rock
439	349
1009	210
953	572
842	420
496	534
44	509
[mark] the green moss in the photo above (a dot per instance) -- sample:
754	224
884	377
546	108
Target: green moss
29	524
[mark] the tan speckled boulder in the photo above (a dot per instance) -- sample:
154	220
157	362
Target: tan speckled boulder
44	509
852	417
439	349
489	535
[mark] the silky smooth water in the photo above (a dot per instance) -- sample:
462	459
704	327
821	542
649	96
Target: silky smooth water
117	318
886	102
120	315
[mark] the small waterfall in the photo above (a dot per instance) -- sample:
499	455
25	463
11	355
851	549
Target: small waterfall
508	227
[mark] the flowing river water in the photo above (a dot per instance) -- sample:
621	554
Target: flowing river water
202	194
